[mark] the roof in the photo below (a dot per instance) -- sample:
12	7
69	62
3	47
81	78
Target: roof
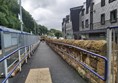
5	29
76	8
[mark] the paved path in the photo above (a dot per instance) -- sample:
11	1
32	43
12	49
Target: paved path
44	57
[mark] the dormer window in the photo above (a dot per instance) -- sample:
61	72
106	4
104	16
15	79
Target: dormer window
102	3
83	12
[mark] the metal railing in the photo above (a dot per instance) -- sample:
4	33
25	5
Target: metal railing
31	48
83	64
112	38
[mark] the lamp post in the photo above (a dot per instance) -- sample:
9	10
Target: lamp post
34	27
20	3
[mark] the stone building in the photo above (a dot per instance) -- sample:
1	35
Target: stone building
91	20
102	14
67	28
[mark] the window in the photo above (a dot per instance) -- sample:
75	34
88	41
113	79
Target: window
102	19
82	24
102	3
111	1
83	12
113	16
87	10
87	24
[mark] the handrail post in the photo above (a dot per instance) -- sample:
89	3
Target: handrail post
109	53
5	61
19	56
6	70
29	52
31	48
25	54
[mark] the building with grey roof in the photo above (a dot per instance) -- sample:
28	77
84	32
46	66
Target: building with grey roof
92	18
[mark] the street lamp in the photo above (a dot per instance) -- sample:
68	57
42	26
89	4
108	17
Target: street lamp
20	4
35	26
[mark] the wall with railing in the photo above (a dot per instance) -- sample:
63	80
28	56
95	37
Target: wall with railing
22	57
88	57
15	47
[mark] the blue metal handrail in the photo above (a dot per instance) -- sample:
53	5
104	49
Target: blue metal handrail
83	64
9	74
10	54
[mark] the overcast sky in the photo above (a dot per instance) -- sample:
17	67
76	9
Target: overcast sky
50	12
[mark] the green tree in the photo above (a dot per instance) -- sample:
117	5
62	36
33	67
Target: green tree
54	32
9	10
42	30
58	34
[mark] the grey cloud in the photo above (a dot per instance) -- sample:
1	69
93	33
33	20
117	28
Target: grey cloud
50	12
41	3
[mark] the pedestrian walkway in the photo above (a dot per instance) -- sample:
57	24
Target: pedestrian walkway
45	57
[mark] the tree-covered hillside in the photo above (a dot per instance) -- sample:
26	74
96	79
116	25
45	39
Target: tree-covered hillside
8	15
9	10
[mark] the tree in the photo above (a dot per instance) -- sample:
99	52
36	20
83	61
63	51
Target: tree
42	30
54	32
9	10
58	34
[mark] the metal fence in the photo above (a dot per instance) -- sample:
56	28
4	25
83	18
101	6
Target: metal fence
20	59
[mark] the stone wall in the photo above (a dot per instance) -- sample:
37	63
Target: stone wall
95	63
